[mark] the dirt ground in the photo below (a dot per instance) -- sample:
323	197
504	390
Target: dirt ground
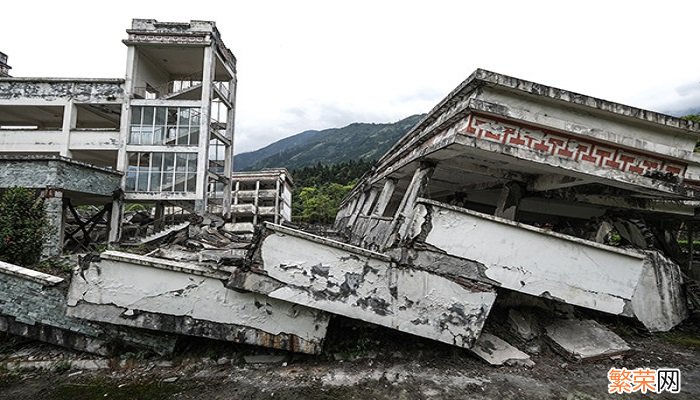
360	362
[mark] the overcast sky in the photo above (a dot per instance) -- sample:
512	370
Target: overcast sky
321	64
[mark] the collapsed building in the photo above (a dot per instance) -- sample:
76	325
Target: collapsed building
507	190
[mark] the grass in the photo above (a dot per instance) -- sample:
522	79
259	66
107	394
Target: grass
99	388
682	339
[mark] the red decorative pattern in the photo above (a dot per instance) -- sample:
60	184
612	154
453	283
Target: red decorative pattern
560	145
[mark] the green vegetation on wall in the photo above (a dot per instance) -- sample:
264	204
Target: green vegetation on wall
22	226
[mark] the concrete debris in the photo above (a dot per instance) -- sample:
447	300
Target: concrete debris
644	285
522	325
497	351
265	359
33	305
356	283
145	292
583	340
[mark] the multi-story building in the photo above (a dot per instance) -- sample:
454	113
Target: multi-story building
260	196
163	134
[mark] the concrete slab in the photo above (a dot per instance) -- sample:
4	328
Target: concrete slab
582	340
461	242
497	351
357	283
189	299
33	305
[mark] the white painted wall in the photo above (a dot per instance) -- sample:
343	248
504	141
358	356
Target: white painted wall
160	289
423	303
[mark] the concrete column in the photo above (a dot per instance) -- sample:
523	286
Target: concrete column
277	201
115	221
228	160
362	198
257	193
55	219
353	207
159	215
367	208
204	127
384	197
236	188
419	182
509	200
70	118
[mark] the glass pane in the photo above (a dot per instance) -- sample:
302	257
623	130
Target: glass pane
194	120
172	116
160	115
184	116
135	135
131	172
192	162
155	181
172	136
167	182
143	169
147	135
191	183
182	134
148	116
157	161
181	162
168	161
158	134
136	115
194	135
180	182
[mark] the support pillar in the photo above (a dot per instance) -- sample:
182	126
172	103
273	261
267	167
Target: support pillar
416	189
55	219
384	197
159	216
367	208
509	201
115	221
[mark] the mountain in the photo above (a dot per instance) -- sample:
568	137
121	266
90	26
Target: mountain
358	141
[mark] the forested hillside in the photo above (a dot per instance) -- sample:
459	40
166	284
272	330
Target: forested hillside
358	141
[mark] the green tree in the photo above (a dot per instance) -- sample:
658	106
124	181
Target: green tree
22	226
692	117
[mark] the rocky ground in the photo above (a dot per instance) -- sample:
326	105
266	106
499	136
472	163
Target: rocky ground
361	362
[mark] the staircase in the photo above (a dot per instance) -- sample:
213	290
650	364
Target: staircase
158	235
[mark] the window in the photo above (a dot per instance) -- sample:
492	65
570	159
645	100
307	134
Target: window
164	126
162	172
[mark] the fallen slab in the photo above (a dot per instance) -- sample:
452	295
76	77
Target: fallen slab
522	325
341	279
33	305
497	351
582	340
464	243
169	296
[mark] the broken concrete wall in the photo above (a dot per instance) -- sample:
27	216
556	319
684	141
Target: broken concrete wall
145	292
361	284
57	89
526	259
33	305
53	172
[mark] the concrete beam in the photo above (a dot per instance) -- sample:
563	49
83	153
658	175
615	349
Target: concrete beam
357	283
467	244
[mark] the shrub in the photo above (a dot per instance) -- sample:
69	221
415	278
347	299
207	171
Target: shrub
23	226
